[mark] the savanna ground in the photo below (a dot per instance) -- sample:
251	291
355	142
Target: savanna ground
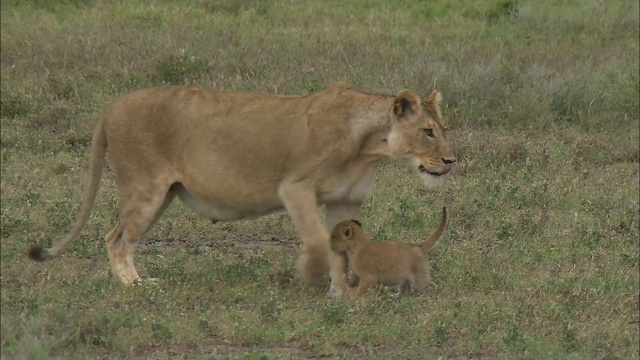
541	257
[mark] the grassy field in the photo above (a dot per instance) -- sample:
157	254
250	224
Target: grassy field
541	258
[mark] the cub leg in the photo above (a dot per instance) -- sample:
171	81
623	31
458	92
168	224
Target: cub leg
423	279
366	282
405	288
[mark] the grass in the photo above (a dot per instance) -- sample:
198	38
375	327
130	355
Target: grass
541	258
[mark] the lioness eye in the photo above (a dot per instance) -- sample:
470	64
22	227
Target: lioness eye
429	132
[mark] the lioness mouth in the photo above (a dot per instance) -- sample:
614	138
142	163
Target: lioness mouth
445	170
423	169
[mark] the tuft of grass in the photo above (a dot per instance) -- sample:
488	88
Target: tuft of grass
61	87
335	313
236	8
179	69
13	105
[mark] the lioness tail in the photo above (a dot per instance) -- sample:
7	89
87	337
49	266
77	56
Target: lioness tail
98	152
431	240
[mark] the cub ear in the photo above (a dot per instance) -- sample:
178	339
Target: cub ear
433	100
406	103
347	232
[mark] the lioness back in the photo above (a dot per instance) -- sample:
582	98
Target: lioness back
245	144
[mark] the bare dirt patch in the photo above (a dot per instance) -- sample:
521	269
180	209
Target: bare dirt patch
254	241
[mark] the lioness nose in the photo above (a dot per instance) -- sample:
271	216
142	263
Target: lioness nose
448	161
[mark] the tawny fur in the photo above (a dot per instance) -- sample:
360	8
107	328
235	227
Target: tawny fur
389	263
232	156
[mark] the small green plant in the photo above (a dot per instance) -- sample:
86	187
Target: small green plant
11	223
208	328
78	143
514	338
441	334
335	313
569	338
61	87
13	105
270	310
235	7
161	332
408	214
381	235
501	9
181	69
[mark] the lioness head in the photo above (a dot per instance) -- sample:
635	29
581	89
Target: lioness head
418	136
344	234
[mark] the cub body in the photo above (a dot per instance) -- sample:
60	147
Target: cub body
390	263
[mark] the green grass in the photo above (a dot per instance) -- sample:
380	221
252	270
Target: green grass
541	258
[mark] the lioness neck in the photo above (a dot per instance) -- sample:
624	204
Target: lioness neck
373	124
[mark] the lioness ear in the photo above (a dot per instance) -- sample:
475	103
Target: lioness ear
406	103
433	100
347	232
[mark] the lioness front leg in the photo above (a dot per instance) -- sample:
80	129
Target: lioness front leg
317	258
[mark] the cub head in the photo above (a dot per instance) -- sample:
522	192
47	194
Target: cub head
418	136
345	234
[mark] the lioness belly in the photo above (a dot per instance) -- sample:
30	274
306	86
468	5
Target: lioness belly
218	208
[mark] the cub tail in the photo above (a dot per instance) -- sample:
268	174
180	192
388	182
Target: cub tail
427	245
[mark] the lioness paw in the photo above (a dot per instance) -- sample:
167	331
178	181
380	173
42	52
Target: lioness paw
147	281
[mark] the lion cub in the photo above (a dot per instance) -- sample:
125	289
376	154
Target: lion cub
389	263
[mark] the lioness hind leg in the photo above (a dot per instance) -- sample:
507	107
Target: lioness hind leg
136	217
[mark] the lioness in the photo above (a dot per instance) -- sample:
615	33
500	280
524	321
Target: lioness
232	156
389	263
